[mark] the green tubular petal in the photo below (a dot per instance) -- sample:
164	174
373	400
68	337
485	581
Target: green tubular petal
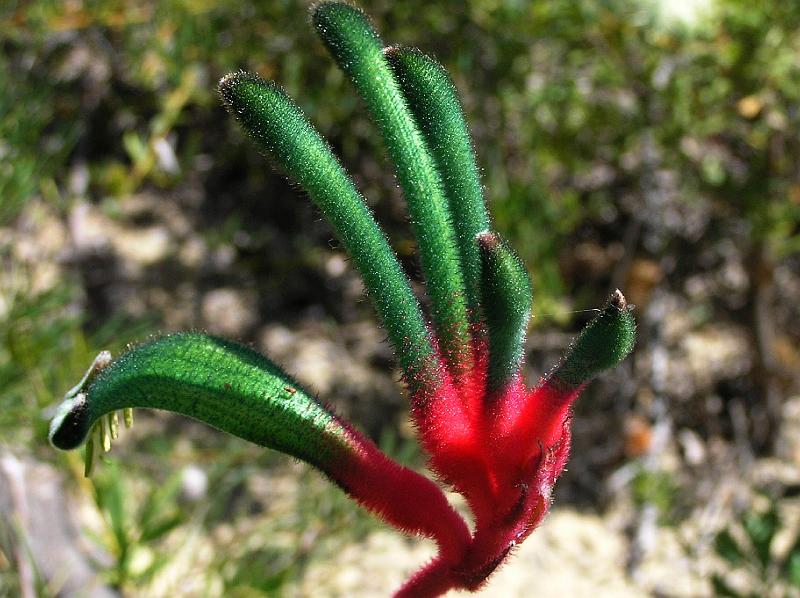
279	127
221	383
506	295
239	391
602	344
433	99
358	50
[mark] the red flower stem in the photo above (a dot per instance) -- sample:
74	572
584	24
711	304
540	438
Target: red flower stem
434	579
405	499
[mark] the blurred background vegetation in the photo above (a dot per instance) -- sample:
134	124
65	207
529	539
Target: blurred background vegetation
641	144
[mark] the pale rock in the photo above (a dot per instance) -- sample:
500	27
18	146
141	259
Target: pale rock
228	311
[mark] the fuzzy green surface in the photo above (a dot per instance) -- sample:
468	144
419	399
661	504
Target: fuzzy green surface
507	296
433	98
358	50
602	344
279	127
221	383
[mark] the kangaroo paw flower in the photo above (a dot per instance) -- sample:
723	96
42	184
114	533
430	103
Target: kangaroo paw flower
488	436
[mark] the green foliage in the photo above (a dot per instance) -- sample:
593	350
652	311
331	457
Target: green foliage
39	329
658	488
135	524
34	142
578	105
13	542
323	518
749	545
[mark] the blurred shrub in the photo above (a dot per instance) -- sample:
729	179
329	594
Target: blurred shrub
42	345
583	112
750	547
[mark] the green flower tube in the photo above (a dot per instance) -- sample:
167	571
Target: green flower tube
358	51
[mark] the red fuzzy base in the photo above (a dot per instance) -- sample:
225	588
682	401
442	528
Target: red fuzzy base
503	453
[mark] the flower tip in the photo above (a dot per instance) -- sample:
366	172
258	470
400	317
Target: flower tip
101	362
227	80
487	240
229	83
329	12
69	427
618	300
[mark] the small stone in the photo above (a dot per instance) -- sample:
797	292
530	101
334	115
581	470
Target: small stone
194	483
229	312
142	246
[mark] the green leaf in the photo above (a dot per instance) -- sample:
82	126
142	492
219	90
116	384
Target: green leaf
761	529
728	548
157	516
792	565
110	492
721	588
161	528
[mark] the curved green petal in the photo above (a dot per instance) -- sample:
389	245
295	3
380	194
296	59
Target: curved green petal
433	98
280	128
602	344
358	51
223	384
506	294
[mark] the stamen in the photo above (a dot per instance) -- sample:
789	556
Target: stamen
127	415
